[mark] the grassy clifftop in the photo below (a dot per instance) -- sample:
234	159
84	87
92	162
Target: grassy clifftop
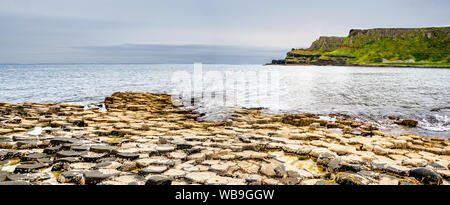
401	46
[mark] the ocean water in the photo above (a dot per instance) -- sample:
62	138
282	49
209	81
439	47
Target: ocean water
365	93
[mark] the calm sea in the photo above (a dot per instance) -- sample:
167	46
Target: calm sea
369	94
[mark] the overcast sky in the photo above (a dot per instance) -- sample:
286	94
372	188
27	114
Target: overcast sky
186	31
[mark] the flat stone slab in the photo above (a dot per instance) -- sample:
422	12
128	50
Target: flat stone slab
28	143
101	149
68	159
164	148
127	155
199	177
93	157
62	140
27	168
62	154
80	148
52	150
152	170
33	157
95	177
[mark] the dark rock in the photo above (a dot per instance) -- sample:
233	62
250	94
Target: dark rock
33	157
81	148
29	144
407	122
180	144
437	166
80	123
193	150
102	164
158	180
391	117
27	168
101	149
62	154
5	138
61	141
95	177
245	139
9	154
350	179
92	158
253	179
45	161
52	150
107	159
69	146
426	176
68	159
78	137
24	138
397	170
128	156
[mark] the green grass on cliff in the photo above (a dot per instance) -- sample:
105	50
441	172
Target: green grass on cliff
418	48
397	50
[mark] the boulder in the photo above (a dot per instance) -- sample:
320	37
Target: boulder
426	176
158	180
407	122
350	179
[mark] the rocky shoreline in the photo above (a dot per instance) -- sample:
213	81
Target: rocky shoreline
282	63
145	138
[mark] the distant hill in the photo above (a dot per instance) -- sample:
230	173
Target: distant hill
421	47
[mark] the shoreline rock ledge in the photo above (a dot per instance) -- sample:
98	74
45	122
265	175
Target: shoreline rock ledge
143	139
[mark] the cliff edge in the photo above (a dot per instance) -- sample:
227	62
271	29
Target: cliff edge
410	47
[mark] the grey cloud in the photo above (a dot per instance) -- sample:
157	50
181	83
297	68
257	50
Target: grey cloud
158	53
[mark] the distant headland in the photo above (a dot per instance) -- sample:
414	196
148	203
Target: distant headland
382	47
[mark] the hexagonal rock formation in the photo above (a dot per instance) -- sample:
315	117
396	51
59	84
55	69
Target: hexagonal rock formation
143	138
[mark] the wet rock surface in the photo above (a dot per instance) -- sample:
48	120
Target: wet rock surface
144	139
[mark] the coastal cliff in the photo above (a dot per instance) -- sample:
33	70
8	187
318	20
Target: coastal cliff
409	47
